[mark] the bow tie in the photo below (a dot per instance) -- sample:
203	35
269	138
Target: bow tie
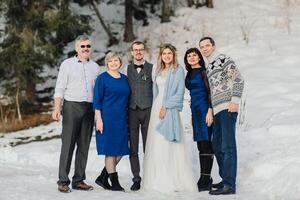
138	66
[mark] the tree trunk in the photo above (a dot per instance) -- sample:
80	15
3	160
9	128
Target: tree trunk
112	39
209	3
128	32
165	17
1	113
18	104
31	93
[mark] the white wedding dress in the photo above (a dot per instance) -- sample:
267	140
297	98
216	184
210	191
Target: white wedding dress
167	167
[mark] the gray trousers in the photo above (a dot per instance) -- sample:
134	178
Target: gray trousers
77	128
137	118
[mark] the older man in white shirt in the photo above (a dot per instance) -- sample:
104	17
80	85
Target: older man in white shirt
74	87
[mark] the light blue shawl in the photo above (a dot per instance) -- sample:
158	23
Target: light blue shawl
170	126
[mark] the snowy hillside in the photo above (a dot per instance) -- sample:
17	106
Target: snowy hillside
268	136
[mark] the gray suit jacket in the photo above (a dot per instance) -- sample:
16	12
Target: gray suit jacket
141	86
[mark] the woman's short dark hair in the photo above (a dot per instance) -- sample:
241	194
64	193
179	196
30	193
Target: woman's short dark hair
196	51
208	38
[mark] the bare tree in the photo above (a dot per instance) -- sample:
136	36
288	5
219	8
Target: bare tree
112	39
247	25
128	32
166	12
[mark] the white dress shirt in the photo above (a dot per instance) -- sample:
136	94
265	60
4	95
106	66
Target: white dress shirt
76	80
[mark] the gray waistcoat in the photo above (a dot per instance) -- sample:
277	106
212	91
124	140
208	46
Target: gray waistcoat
141	86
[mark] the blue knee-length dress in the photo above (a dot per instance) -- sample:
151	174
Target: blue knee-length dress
197	83
111	98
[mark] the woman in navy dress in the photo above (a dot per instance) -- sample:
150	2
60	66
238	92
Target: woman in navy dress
202	115
111	93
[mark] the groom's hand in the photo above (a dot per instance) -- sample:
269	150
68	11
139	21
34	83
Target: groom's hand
162	112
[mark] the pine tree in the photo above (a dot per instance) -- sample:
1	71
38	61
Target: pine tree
36	32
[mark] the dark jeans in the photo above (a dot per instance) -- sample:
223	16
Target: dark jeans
77	128
224	146
137	118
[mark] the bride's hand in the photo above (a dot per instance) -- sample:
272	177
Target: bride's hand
162	112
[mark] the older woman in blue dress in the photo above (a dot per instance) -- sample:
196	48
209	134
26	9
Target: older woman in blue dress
202	116
111	95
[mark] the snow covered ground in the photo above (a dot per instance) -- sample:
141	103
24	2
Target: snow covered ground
268	138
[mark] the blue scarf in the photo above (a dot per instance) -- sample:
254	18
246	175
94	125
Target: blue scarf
170	126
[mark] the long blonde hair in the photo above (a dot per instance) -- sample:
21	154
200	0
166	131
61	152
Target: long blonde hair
160	64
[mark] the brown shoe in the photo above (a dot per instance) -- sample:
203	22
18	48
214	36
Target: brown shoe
82	186
64	188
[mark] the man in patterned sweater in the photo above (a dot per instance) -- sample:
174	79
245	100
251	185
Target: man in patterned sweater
226	86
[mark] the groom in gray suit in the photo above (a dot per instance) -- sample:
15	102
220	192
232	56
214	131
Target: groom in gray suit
139	74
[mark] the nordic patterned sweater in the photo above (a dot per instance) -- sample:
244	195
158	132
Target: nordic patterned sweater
225	81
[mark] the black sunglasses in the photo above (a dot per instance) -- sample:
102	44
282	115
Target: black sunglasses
87	46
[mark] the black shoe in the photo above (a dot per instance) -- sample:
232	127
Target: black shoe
136	186
224	191
115	185
204	183
82	186
64	188
218	185
102	179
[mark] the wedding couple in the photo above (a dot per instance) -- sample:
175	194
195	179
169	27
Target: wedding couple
166	163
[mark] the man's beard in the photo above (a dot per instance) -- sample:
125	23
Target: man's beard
140	59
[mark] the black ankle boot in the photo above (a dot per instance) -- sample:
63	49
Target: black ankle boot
136	185
115	185
102	180
204	183
206	161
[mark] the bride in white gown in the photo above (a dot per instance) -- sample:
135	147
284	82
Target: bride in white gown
167	167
